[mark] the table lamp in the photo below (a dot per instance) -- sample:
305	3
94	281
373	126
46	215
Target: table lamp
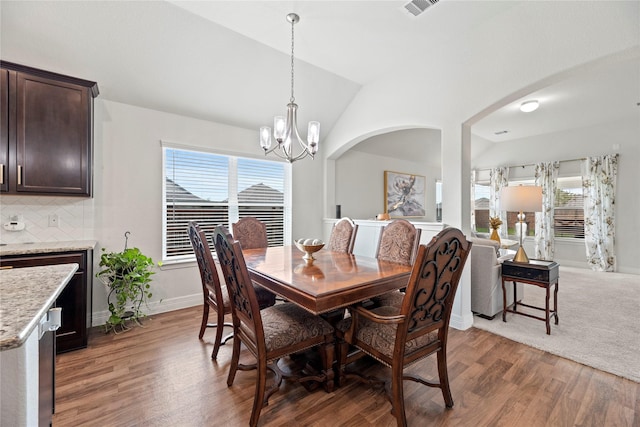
521	198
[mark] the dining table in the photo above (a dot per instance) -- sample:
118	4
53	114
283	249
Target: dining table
331	281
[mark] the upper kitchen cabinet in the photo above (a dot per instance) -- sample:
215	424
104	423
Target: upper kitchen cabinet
47	132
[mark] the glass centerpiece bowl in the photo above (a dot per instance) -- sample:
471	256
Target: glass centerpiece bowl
309	247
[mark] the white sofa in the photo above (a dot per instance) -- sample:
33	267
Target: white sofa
486	279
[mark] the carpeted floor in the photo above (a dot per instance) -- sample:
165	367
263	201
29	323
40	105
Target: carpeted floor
599	321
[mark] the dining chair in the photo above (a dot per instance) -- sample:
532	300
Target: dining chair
271	333
398	242
215	294
252	234
400	336
343	236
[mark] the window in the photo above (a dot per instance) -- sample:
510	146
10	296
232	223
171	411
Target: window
215	189
438	200
569	208
481	206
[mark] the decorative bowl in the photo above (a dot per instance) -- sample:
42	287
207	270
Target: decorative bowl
309	249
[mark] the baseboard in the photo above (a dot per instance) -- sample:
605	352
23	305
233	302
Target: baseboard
461	322
155	307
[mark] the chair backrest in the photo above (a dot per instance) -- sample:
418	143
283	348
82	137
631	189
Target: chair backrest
432	287
399	241
244	303
251	233
343	236
211	286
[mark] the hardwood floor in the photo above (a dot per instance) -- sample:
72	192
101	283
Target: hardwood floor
162	375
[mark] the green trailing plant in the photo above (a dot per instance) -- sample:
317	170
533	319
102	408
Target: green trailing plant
127	276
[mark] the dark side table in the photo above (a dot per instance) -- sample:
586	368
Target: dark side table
541	273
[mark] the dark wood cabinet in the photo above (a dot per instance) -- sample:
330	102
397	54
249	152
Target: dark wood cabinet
47	132
75	299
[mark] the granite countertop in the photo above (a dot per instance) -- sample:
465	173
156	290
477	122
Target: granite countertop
25	296
46	247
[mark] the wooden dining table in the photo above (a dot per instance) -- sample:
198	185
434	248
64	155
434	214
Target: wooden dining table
331	281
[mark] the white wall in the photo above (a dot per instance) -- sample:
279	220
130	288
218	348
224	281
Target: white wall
360	188
575	144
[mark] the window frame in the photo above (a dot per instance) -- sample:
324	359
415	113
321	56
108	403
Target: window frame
233	206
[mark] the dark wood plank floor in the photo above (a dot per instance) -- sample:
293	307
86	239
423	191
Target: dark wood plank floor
162	375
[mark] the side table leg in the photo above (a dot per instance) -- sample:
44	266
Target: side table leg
504	302
546	311
555	300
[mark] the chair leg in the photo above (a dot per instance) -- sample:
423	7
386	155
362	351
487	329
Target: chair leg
397	395
258	400
235	358
444	378
219	330
205	320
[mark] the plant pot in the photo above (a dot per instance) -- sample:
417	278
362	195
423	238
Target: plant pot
494	235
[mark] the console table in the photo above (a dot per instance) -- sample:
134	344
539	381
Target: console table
544	274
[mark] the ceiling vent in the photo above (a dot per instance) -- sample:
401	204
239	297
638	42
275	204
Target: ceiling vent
416	7
501	132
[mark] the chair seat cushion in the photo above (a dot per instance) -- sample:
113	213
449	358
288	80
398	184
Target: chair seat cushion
226	302
391	299
287	324
265	297
383	337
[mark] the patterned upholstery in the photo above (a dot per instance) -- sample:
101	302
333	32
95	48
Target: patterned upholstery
286	325
251	233
399	242
383	337
343	236
418	327
392	299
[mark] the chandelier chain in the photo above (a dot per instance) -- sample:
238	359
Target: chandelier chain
292	99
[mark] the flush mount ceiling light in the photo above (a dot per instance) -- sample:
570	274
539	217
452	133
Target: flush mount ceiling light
529	106
285	130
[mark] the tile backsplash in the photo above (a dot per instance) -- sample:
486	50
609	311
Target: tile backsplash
74	217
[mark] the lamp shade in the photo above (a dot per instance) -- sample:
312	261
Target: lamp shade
521	198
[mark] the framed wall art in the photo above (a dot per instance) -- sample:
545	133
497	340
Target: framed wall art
404	194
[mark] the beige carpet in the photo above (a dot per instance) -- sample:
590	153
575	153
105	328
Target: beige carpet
599	321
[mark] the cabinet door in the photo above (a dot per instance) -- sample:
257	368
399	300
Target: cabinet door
53	128
4	130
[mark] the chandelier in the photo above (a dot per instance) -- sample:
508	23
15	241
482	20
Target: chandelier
285	130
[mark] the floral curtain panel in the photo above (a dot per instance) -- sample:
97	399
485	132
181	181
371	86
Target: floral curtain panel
499	178
546	175
599	175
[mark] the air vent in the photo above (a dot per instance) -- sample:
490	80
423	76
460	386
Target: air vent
501	132
416	7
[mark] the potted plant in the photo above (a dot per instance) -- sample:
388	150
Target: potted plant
127	277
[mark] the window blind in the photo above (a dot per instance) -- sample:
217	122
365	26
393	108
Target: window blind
214	189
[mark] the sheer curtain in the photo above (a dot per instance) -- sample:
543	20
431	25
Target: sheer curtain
599	175
546	175
499	179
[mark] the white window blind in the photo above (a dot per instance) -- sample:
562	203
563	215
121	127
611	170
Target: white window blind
214	189
569	208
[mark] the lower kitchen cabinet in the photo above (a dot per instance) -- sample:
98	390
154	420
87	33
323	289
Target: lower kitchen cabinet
75	299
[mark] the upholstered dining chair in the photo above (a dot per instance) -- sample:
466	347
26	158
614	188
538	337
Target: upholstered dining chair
343	236
399	241
400	336
250	232
215	294
271	333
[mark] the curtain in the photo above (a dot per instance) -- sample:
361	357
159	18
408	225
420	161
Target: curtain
599	175
499	179
546	175
473	200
